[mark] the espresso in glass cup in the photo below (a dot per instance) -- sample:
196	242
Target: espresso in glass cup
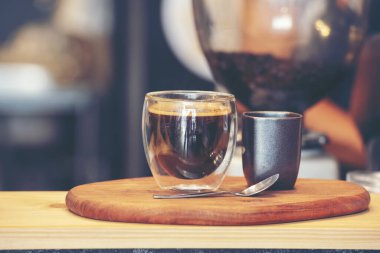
189	138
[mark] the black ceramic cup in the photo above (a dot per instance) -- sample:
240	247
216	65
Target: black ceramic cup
272	144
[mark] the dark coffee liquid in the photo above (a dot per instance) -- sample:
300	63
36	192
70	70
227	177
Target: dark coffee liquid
188	146
263	82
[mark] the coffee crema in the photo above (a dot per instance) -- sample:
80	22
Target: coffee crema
203	108
188	142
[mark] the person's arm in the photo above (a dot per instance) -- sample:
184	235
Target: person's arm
345	141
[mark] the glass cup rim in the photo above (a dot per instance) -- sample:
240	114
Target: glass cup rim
215	96
272	115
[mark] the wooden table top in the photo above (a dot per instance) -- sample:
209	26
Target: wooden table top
40	220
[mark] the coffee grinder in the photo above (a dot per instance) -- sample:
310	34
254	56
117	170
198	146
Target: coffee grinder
280	54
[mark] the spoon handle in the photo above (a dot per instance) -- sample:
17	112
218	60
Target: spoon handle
189	195
250	191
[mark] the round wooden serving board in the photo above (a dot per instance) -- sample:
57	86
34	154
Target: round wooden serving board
130	200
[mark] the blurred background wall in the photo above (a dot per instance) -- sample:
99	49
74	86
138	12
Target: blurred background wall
73	74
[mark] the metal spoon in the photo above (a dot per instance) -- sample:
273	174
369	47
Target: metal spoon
250	191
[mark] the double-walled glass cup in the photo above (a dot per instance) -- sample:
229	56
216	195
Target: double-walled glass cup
189	138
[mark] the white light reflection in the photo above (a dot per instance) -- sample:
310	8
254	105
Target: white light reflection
283	23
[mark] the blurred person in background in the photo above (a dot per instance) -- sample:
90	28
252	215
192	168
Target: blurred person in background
350	117
352	129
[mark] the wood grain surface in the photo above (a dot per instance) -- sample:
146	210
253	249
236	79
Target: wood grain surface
40	220
130	200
